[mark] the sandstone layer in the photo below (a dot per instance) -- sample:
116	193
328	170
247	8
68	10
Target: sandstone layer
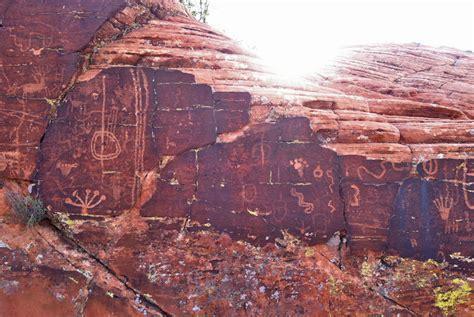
198	182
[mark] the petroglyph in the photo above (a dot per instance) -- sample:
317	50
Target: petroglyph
451	226
260	153
355	197
34	37
363	172
330	177
66	168
430	167
444	206
8	159
105	146
141	106
249	193
330	205
308	207
318	172
299	164
257	212
86	203
468	184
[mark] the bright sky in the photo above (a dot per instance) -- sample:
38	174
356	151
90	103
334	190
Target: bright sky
297	37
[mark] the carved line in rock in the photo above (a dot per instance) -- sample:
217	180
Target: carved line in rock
86	203
355	198
307	207
382	173
330	176
468	172
430	167
299	164
141	108
101	138
318	172
260	152
24	46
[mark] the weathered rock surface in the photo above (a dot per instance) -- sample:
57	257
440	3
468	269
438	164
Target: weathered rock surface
192	177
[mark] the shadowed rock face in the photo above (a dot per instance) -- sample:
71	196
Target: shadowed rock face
141	126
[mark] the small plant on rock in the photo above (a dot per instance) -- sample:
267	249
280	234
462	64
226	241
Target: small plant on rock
28	210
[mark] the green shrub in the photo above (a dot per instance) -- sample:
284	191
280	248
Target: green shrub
28	210
198	8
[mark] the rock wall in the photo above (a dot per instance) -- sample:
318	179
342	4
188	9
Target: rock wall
157	116
138	124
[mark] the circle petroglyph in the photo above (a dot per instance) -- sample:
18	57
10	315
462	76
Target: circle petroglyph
105	146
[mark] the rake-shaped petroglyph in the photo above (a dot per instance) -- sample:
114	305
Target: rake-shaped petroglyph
88	202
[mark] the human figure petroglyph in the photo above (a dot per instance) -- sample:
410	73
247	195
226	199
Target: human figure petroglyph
299	164
318	172
307	207
88	202
355	197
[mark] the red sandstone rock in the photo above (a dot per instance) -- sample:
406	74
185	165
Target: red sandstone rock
163	132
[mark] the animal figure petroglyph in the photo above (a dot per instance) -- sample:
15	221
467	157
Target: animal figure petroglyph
39	75
299	164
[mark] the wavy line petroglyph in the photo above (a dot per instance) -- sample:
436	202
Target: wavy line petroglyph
331	205
362	169
330	176
308	207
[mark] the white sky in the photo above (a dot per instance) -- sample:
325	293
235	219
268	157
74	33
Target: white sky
297	37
